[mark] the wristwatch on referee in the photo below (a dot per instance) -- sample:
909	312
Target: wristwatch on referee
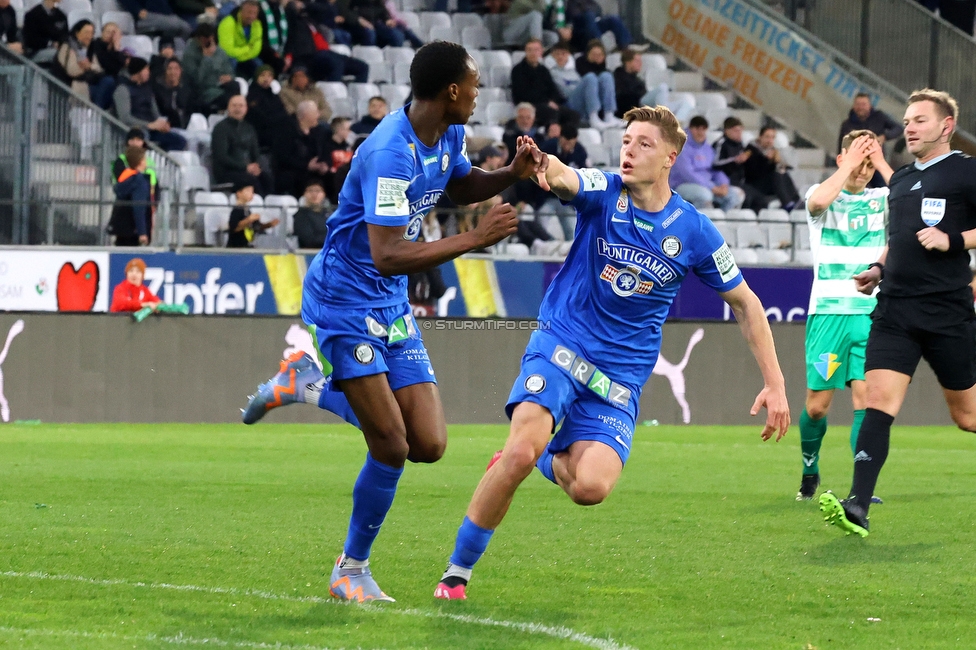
880	267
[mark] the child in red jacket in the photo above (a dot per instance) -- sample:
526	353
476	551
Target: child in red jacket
131	294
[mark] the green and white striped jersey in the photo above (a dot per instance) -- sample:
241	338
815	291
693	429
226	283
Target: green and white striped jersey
845	238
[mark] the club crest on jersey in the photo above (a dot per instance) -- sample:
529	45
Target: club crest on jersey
535	383
625	282
413	228
445	161
933	210
364	353
874	205
671	246
622	201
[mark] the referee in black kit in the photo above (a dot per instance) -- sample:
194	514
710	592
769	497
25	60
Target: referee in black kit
925	305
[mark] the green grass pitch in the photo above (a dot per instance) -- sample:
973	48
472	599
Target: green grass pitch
158	536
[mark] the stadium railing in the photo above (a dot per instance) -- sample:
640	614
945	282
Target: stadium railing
900	41
57	149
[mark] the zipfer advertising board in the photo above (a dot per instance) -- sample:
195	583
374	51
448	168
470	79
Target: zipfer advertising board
252	283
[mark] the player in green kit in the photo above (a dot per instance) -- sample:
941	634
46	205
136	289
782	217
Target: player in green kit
847	235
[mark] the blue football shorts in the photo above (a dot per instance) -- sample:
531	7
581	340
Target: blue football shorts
589	405
359	342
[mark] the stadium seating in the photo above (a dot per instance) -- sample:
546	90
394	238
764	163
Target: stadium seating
121	18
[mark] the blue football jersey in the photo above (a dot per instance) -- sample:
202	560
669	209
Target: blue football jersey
611	297
394	180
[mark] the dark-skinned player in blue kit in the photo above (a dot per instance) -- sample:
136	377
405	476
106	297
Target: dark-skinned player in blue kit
375	370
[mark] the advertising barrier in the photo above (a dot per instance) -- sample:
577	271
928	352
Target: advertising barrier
256	284
54	281
107	368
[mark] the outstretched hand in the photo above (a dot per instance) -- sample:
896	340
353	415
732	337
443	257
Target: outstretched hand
529	161
777	411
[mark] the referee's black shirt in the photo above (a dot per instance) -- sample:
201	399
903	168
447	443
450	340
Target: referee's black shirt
948	187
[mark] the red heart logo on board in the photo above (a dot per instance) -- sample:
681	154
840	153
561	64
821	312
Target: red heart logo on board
77	289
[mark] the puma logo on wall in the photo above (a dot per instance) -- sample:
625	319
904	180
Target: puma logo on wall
16	329
676	373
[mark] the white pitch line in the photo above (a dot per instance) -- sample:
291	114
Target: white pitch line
554	631
179	639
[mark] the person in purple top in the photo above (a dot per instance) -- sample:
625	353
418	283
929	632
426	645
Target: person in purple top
694	178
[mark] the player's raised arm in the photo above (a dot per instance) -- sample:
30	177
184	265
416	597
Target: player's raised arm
848	161
751	316
479	185
560	179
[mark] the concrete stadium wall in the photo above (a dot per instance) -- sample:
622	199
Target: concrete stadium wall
105	368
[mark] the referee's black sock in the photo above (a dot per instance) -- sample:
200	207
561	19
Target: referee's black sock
872	450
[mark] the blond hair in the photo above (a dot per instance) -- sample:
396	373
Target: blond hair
945	105
663	119
849	139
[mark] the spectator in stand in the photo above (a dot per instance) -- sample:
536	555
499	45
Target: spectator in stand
586	94
45	27
518	22
241	36
275	28
326	14
76	66
209	71
398	22
633	92
136	138
377	110
299	89
524	123
9	33
265	111
599	91
173	96
235	150
135	105
108	50
244	224
730	157
131	294
383	26
588	21
195	12
532	82
308	46
309	221
165	52
865	116
300	151
694	178
131	220
766	173
156	17
351	26
338	153
572	154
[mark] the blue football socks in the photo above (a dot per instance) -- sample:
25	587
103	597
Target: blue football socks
372	497
472	540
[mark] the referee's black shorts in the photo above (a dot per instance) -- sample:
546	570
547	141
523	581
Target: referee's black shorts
941	328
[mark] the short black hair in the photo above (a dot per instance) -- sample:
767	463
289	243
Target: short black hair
436	66
731	122
315	183
570	131
697	121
